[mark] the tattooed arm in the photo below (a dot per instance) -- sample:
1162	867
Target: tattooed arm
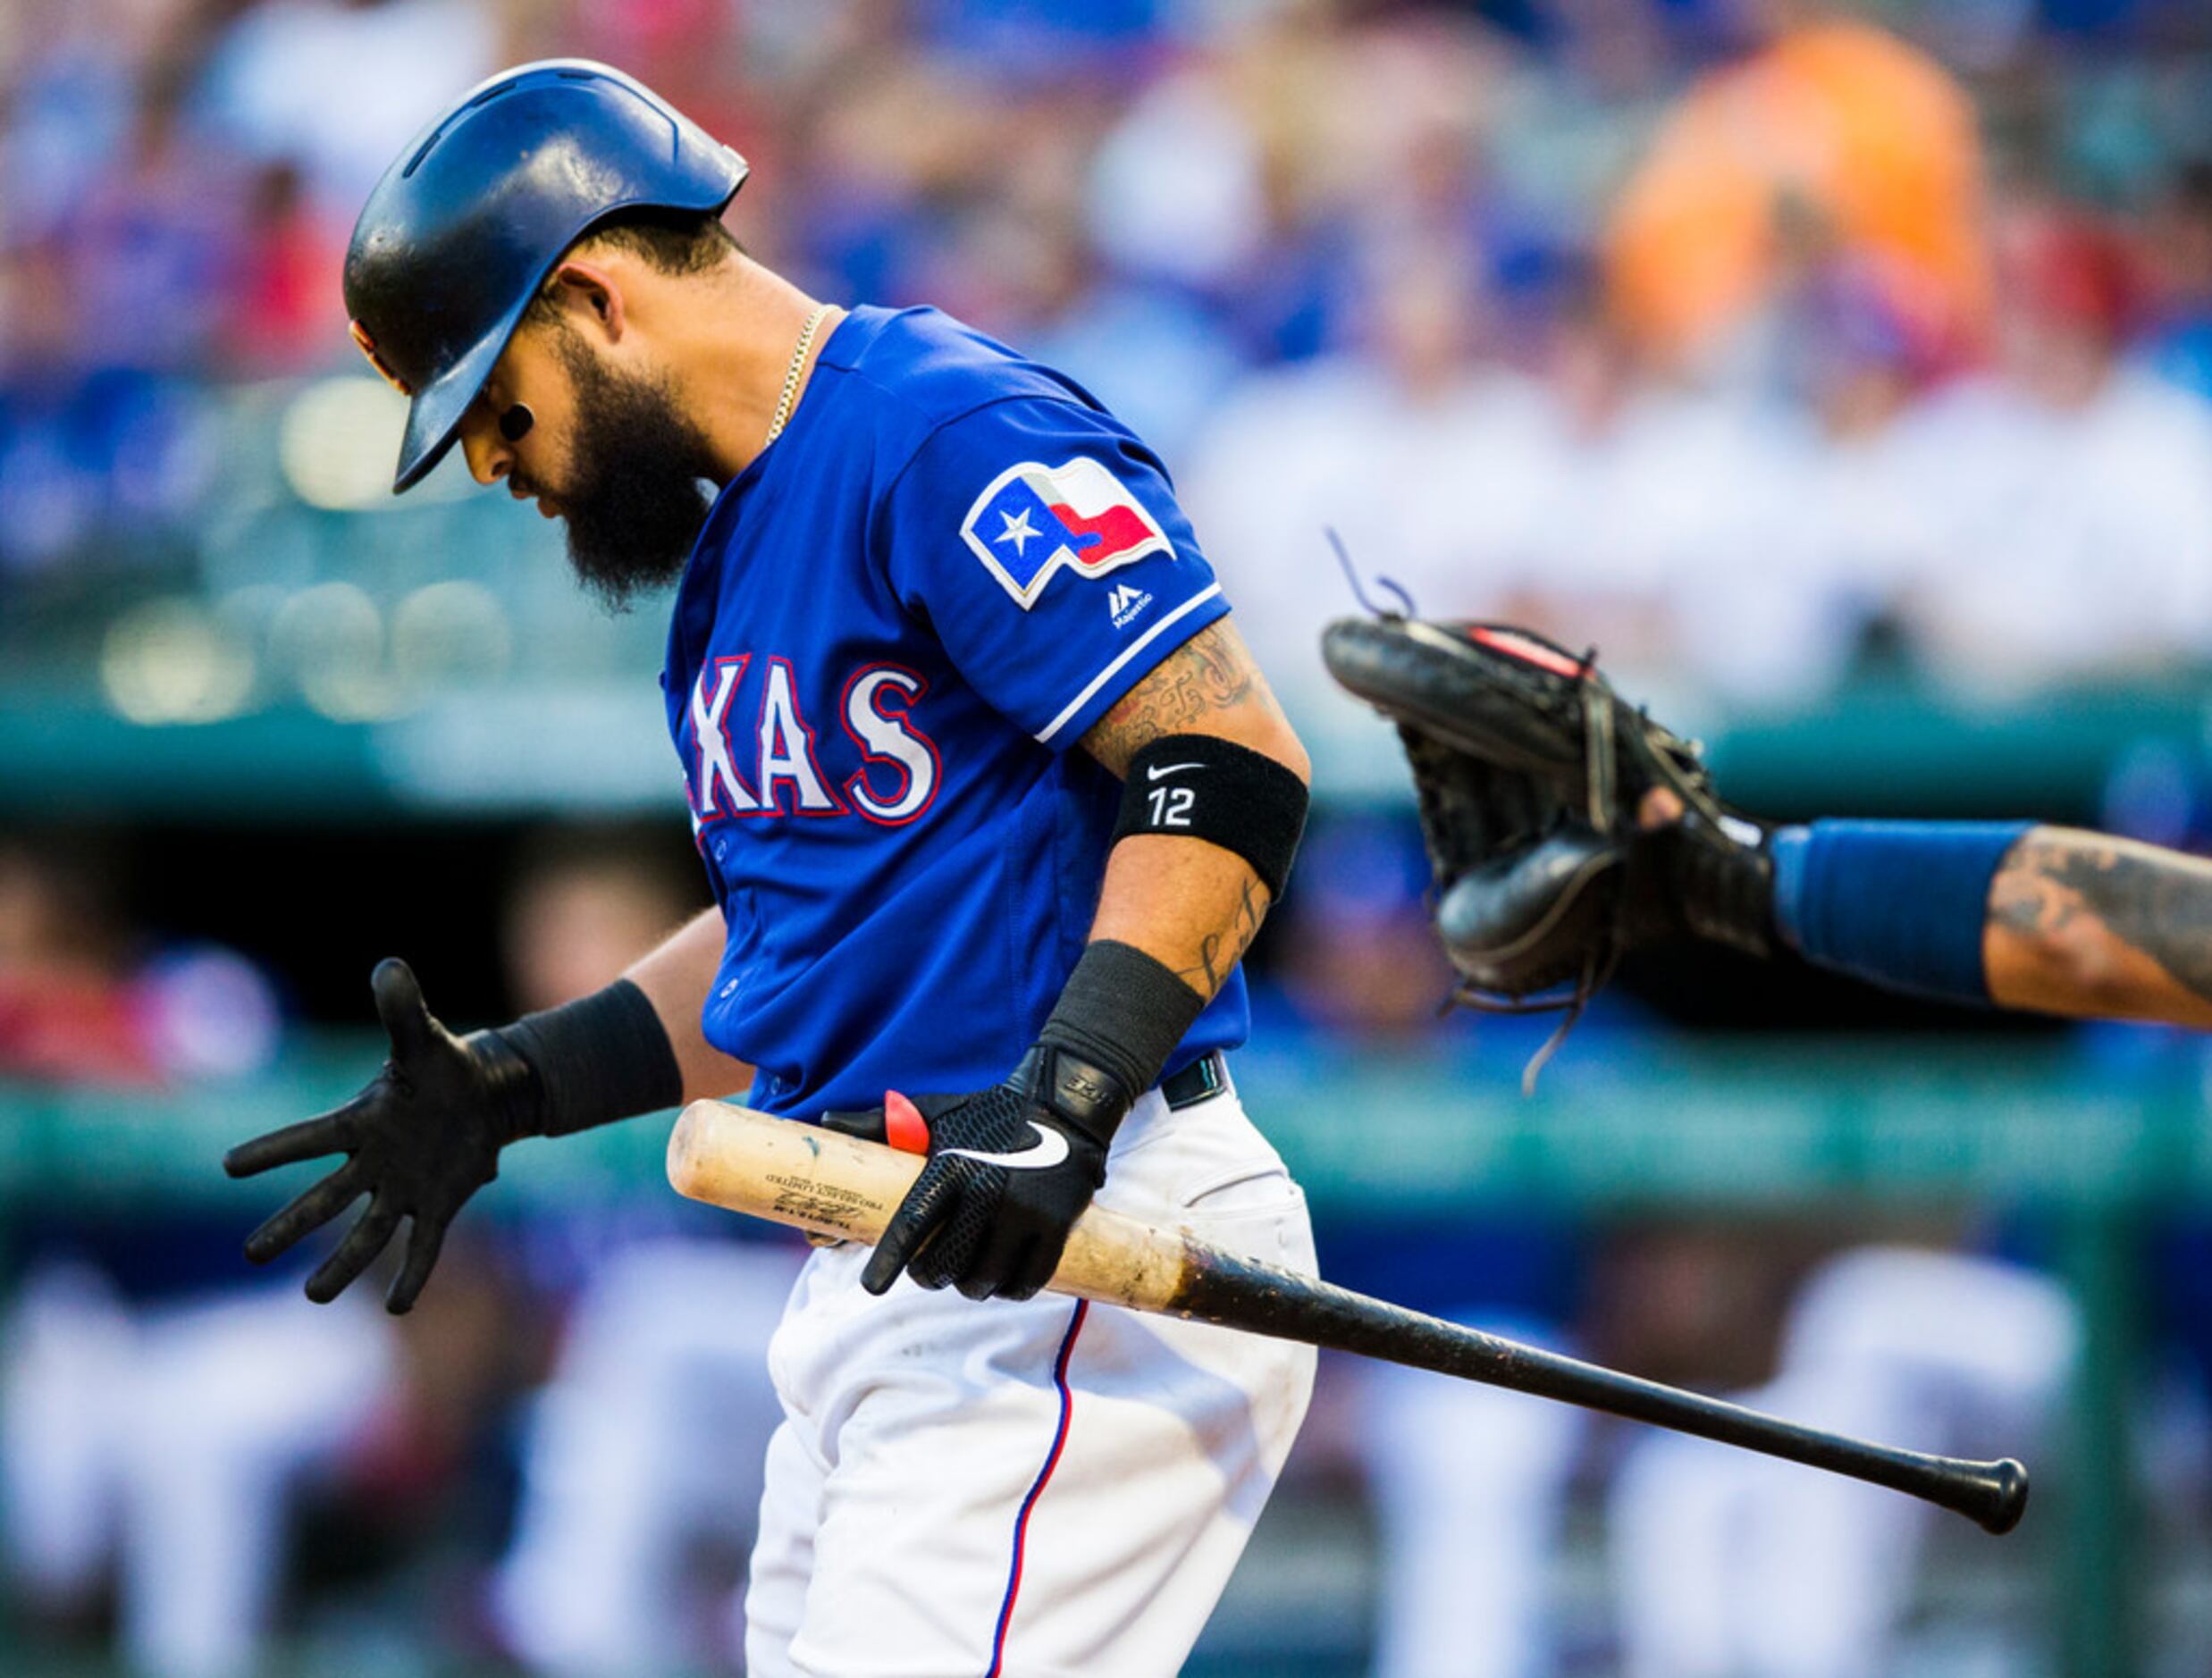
1184	901
2080	923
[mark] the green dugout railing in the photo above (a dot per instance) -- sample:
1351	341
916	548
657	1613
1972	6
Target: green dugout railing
1721	1124
601	746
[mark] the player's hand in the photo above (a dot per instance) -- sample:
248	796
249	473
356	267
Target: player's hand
1689	878
422	1137
1010	1168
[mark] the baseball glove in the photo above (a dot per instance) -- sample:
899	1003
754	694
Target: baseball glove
1533	777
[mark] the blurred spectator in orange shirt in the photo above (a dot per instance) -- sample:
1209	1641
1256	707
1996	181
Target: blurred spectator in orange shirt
1834	138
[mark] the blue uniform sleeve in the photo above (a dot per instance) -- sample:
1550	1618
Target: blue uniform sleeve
1042	543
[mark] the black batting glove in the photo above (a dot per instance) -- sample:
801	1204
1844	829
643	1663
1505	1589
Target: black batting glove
422	1137
1010	1168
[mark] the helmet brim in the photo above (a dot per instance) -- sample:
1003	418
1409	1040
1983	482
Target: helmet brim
435	412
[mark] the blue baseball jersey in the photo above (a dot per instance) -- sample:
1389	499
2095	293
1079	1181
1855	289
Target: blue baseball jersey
897	621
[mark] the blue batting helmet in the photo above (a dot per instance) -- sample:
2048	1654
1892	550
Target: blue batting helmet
472	217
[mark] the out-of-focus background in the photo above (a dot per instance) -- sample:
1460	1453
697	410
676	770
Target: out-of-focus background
1843	371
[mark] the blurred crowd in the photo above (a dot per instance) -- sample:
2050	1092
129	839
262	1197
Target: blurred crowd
1762	342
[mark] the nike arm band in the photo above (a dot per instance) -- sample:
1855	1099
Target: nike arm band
1201	786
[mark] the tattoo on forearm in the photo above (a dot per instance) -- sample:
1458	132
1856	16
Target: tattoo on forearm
1211	672
2150	901
1220	952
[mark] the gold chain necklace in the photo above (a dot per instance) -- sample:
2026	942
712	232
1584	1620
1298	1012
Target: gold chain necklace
791	374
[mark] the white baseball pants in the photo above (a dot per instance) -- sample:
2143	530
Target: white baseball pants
964	1488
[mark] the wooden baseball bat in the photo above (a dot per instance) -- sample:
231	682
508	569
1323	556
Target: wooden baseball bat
833	1185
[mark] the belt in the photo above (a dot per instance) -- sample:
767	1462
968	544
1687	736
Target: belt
1204	1078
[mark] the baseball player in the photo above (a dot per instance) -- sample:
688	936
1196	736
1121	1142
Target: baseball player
992	800
1565	827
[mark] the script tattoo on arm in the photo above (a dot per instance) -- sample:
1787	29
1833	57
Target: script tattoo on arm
2113	908
1203	682
1220	952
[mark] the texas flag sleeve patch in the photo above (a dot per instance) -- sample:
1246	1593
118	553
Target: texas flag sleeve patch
1033	519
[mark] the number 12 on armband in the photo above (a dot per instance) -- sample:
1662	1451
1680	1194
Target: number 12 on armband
1171	806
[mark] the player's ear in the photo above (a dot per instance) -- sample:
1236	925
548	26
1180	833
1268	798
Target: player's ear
585	289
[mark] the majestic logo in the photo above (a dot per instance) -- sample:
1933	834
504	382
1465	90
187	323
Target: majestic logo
1125	602
1033	519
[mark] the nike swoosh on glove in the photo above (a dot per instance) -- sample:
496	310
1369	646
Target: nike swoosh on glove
1010	1168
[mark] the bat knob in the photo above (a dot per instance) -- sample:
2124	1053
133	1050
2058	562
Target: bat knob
2003	1496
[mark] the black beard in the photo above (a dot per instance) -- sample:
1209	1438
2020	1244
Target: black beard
636	505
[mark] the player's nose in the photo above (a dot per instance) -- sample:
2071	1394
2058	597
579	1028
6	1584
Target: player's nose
489	458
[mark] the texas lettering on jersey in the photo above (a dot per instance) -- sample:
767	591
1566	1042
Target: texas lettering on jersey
751	750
